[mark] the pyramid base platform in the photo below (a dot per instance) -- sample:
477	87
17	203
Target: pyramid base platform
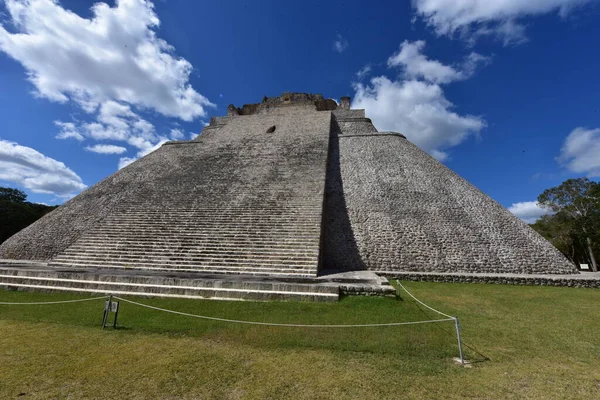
31	276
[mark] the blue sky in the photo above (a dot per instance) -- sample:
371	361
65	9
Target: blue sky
504	92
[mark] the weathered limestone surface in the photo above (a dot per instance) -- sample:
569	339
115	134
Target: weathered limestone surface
392	207
288	186
237	199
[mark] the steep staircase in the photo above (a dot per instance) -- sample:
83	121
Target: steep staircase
239	210
277	241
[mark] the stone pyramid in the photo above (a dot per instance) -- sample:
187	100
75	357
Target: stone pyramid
292	186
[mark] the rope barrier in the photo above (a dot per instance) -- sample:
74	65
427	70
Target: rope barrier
281	325
455	319
423	304
448	317
51	302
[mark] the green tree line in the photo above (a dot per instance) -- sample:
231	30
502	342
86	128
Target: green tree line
16	212
574	225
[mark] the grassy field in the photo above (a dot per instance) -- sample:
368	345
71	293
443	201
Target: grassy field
526	343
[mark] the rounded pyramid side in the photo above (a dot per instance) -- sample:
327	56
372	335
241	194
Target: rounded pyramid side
57	230
408	212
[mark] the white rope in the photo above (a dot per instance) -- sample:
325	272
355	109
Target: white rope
448	317
51	302
425	305
284	325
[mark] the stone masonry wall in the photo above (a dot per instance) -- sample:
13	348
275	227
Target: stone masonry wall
500	279
392	207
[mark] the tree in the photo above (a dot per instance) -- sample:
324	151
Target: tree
558	230
579	201
16	213
12	195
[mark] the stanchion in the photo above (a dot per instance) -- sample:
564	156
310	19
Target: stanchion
107	305
460	351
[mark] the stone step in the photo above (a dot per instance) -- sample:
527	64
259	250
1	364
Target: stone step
189	262
197	279
191	233
274	214
170	247
181	212
173	250
203	235
250	270
228	219
182	208
158	207
152	259
211	270
203	230
195	227
198	240
190	242
187	206
269	237
117	245
207	261
175	255
244	217
197	289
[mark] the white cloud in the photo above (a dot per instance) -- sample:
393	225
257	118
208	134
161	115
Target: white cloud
363	72
416	105
417	109
115	55
145	147
472	62
176	134
112	65
528	211
68	130
416	65
115	121
115	114
340	43
125	161
37	172
580	152
106	149
99	131
499	18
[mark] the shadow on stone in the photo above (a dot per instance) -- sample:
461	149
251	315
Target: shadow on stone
340	251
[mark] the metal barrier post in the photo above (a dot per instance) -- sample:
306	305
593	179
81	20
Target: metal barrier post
106	310
460	351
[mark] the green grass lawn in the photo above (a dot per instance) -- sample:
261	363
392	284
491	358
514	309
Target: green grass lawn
526	343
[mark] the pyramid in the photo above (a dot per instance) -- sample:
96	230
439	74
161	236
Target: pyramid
294	186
